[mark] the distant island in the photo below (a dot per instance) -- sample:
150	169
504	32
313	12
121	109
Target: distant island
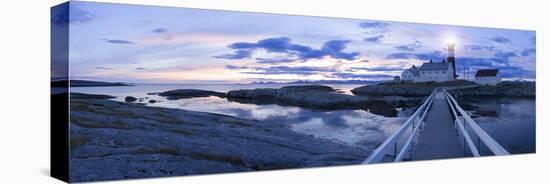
85	83
320	82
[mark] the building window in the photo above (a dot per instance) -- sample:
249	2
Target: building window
436	72
444	72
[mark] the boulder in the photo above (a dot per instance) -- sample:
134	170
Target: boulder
130	99
90	96
189	93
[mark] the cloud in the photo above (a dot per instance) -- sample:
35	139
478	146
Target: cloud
237	54
515	72
66	14
274	60
373	25
103	68
505	56
528	52
332	48
479	47
348	75
474	62
499	39
506	70
116	41
435	55
160	30
233	67
374	39
379	69
165	32
277	70
500	60
410	47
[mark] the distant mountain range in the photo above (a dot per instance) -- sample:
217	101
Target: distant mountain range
85	83
321	82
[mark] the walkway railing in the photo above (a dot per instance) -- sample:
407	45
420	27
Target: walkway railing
415	122
463	121
467	130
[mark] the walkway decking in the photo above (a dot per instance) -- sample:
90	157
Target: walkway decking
439	138
435	135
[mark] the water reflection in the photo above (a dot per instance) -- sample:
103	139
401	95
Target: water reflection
351	127
510	121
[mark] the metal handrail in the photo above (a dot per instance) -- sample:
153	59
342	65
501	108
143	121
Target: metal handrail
493	145
405	148
384	148
461	129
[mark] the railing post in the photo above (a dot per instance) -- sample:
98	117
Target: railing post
478	145
456	125
411	151
459	119
395	149
464	143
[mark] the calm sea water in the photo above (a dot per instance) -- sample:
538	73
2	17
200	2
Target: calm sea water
351	127
512	123
513	127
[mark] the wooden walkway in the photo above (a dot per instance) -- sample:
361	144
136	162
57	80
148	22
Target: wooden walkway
439	138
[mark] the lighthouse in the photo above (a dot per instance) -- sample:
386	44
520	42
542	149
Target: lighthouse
433	71
451	57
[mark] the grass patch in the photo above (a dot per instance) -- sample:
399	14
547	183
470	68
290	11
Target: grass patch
234	160
77	141
159	150
81	106
86	123
120	124
182	131
163	118
233	121
124	113
117	124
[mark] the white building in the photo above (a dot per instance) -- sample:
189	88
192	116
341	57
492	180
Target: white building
487	77
410	74
432	71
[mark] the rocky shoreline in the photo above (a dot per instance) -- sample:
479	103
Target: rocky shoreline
317	97
456	88
85	83
503	89
313	97
117	140
409	95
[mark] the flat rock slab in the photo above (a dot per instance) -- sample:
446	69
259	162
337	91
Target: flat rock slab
116	140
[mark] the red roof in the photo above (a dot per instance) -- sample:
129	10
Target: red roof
487	73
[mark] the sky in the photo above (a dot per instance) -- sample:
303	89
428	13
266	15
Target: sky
149	44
